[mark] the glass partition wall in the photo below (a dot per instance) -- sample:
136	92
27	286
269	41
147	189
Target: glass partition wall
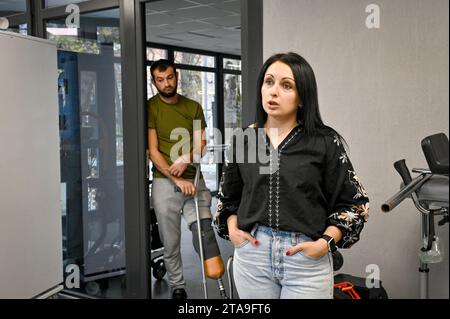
16	13
103	181
91	133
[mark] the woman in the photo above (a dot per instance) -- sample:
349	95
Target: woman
285	218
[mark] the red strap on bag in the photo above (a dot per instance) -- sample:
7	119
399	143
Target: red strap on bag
347	287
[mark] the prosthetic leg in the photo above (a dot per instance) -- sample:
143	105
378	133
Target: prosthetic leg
212	264
205	245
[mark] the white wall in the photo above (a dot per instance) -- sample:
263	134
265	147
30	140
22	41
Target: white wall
30	213
384	90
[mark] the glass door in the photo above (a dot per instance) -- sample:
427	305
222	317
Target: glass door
91	139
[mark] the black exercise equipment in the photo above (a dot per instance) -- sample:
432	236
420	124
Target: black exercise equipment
430	193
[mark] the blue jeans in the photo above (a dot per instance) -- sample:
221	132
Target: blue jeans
265	272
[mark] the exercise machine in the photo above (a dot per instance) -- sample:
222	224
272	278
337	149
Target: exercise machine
430	194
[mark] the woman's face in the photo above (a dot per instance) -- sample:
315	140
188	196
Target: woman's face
279	94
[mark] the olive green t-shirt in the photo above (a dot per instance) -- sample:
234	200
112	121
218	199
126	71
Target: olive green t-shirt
178	120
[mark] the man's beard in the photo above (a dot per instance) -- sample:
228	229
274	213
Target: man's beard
170	94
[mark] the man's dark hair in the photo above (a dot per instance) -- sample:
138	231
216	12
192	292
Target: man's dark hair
161	65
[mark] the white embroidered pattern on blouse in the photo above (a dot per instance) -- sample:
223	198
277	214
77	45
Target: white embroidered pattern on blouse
275	202
352	219
354	180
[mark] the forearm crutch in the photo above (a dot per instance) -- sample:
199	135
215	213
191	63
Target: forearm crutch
199	228
214	264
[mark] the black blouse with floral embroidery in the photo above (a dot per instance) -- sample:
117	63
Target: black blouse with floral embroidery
304	185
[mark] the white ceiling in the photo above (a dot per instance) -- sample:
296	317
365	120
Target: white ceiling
212	25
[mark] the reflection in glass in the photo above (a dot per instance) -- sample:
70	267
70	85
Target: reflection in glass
67	39
154	54
21	28
119	122
91	133
56	3
10	7
232	100
194	59
231	64
109	35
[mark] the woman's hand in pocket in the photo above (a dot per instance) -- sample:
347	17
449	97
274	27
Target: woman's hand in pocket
237	236
314	249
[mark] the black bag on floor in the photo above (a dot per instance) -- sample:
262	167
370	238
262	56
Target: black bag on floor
155	241
359	286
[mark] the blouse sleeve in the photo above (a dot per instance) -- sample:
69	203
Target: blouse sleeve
348	201
229	195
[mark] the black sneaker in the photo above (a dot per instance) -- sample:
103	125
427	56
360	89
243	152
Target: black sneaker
179	294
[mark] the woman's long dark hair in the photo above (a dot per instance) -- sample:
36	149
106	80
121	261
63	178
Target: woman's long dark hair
305	81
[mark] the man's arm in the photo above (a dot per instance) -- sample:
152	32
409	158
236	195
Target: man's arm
155	155
198	151
161	164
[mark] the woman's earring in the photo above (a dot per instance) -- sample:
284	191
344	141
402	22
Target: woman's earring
300	106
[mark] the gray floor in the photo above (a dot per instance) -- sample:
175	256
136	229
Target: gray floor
114	287
192	269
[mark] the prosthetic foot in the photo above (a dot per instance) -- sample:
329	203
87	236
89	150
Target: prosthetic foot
214	267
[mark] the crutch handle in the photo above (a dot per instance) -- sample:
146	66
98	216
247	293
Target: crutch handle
196	178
